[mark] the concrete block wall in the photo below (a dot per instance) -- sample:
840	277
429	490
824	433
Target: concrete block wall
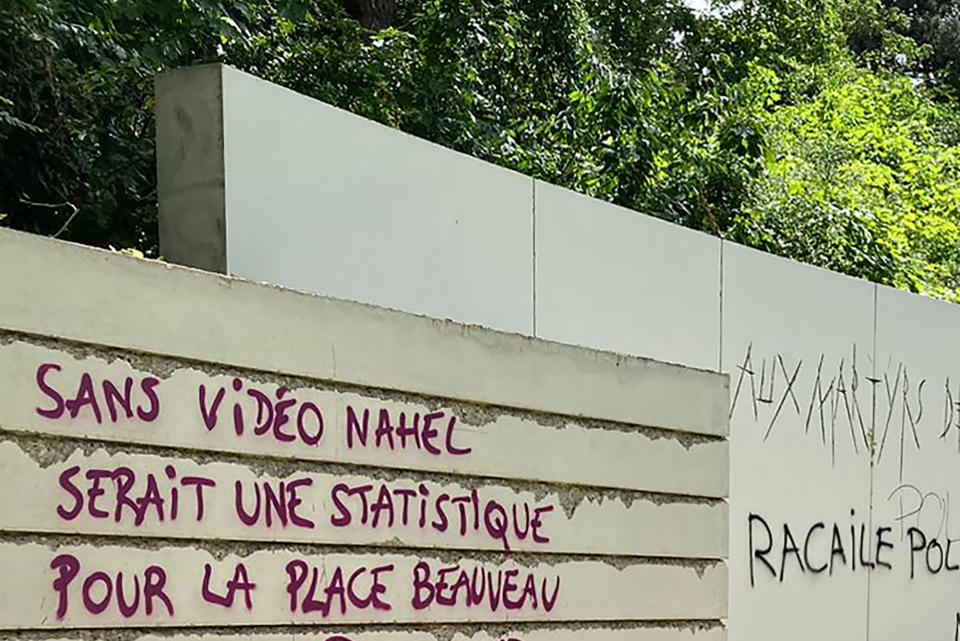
186	455
845	401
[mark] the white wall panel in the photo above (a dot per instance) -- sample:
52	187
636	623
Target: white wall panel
321	200
789	336
614	279
916	485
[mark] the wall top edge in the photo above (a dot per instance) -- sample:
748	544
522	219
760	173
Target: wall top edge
79	293
229	74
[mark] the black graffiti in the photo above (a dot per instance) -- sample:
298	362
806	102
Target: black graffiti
840	401
923	503
951	412
936	555
823	548
817	548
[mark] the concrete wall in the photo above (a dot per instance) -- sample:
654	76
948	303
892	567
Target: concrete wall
385	239
186	455
845	407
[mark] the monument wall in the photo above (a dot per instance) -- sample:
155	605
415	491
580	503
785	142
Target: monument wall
186	455
845	395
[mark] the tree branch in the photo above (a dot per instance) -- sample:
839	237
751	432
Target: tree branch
74	210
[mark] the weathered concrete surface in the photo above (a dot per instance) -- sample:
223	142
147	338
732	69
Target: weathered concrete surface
386	588
336	508
190	167
500	443
670	631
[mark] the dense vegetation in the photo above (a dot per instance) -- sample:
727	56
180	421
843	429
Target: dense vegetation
824	130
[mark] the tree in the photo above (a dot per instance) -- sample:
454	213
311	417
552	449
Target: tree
936	24
755	121
372	14
865	181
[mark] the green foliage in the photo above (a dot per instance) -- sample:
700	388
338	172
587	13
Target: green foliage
865	180
822	130
75	119
921	37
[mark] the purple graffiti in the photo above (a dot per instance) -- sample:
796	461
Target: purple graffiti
388	505
239	583
124	495
397	433
511	589
277	503
360	589
99	590
91	399
284	419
